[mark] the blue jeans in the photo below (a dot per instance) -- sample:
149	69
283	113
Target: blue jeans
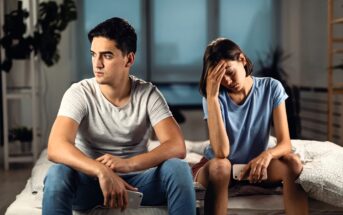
171	183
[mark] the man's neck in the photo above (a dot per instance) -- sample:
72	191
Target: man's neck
118	94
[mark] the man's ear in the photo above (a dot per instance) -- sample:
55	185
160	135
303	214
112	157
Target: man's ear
130	59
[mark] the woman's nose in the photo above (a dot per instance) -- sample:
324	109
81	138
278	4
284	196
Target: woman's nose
229	80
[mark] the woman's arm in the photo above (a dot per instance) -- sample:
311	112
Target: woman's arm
283	145
258	166
218	137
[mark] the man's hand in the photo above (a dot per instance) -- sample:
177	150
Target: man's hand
115	163
114	189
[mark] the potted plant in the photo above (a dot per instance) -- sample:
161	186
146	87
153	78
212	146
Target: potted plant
53	19
16	46
23	135
272	67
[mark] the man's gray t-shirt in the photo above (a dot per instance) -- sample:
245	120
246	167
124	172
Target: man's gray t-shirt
105	128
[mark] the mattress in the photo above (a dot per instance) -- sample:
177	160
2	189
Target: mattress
29	201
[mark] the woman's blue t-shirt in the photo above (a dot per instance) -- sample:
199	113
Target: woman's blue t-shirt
248	124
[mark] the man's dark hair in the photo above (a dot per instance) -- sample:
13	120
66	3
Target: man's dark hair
118	30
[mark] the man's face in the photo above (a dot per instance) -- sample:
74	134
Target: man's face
110	66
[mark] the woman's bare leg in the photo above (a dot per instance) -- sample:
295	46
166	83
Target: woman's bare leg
215	176
287	170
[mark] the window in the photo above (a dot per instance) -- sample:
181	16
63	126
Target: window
173	35
178	40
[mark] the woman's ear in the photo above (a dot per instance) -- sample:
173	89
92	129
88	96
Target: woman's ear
242	59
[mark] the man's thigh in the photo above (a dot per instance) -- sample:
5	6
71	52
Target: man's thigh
88	193
150	184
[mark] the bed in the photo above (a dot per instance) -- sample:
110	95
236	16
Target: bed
241	201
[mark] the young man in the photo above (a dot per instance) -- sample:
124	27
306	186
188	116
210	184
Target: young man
99	138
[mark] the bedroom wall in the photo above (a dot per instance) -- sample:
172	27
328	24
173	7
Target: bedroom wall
305	41
57	80
301	37
304	37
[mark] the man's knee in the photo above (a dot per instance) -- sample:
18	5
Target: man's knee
58	177
176	169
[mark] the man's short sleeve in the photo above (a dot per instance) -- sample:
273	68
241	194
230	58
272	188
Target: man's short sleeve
73	104
157	107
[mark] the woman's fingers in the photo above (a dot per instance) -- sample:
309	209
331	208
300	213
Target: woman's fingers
217	71
221	71
257	173
252	174
214	77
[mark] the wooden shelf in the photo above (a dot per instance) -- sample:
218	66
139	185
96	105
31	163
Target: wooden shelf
334	88
337	21
18	95
21	158
337	51
18	92
338	90
337	40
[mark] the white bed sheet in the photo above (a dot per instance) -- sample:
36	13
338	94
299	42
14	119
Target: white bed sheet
28	203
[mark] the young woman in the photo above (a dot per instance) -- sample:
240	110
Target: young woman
239	108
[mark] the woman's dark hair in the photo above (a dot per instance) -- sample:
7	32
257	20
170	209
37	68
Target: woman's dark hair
221	49
118	30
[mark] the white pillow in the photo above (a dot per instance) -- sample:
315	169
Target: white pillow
197	146
322	175
195	149
39	172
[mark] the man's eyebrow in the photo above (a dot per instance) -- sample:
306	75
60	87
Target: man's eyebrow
102	53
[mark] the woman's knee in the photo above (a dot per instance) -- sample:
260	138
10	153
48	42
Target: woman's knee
219	169
293	164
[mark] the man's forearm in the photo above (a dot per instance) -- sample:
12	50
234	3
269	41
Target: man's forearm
165	151
66	153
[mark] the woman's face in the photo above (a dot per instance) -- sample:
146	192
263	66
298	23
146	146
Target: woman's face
235	75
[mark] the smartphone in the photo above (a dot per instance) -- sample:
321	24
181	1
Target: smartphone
238	168
134	199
